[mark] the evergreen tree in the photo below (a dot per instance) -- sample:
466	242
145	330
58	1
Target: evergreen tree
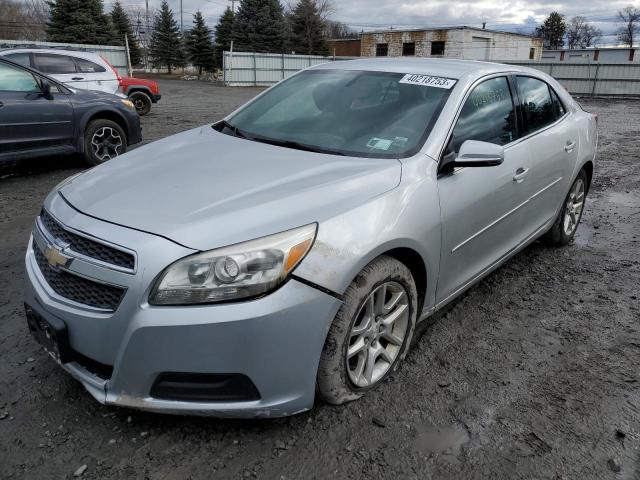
166	49
224	32
80	21
199	44
552	30
122	26
308	28
259	26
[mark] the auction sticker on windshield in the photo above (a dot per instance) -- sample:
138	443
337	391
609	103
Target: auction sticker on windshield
428	81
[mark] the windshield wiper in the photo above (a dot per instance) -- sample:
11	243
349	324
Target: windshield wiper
236	131
296	145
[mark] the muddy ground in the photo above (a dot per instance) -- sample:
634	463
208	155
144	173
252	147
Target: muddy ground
532	374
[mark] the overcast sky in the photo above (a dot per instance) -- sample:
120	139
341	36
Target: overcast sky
511	15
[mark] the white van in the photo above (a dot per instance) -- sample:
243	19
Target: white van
82	70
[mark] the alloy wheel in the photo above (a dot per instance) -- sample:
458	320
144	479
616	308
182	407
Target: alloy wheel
377	334
106	143
573	207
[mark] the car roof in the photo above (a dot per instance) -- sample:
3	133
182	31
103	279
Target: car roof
444	67
73	53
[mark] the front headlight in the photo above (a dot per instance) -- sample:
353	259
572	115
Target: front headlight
240	271
128	103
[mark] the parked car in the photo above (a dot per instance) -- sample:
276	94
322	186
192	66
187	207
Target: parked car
240	268
142	92
40	116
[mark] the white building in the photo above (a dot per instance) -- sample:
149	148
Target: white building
457	42
585	55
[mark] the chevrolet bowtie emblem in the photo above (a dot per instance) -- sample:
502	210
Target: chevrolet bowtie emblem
55	257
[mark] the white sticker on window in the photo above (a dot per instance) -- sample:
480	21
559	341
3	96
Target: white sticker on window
428	81
379	143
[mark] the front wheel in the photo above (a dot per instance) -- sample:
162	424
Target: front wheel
142	102
566	224
371	332
103	140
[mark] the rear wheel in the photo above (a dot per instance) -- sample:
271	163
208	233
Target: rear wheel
371	332
566	224
142	102
103	140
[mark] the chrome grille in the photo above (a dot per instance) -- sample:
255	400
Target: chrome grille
79	289
86	247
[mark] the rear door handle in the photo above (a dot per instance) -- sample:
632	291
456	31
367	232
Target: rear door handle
521	173
1	104
570	146
77	78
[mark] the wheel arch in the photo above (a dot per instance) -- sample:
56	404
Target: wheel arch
137	88
588	168
103	115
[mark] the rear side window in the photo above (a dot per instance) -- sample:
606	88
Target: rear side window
488	115
14	79
86	66
54	64
538	109
21	58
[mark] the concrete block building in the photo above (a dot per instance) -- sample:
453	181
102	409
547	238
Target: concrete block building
468	43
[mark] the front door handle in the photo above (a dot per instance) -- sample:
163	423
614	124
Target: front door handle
1	104
77	78
521	173
570	146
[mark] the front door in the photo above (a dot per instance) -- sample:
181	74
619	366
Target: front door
482	207
28	120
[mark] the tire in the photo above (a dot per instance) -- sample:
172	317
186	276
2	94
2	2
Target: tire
142	102
337	380
103	140
560	235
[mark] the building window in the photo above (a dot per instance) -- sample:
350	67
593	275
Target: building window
437	48
382	49
532	54
408	49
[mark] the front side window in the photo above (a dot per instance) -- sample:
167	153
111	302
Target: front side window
358	113
86	66
382	49
488	115
538	109
15	80
22	58
54	64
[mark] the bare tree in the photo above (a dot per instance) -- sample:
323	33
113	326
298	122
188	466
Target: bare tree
23	20
630	18
581	34
339	30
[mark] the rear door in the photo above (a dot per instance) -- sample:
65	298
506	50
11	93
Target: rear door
28	120
482	207
97	75
61	67
552	140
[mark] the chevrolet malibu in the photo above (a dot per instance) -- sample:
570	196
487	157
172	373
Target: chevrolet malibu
288	251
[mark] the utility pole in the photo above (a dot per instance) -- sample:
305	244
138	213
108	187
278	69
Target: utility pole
181	24
233	5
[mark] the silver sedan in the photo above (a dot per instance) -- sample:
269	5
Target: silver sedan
289	250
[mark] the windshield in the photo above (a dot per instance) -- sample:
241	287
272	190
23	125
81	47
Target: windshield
356	113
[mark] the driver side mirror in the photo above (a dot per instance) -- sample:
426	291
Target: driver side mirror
46	88
479	154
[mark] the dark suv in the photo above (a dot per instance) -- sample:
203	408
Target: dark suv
39	116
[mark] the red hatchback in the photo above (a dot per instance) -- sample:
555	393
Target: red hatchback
141	92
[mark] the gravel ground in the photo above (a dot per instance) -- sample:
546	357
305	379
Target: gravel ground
532	374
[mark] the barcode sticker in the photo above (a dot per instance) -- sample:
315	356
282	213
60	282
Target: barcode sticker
428	81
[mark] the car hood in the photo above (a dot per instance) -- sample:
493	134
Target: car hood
204	189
